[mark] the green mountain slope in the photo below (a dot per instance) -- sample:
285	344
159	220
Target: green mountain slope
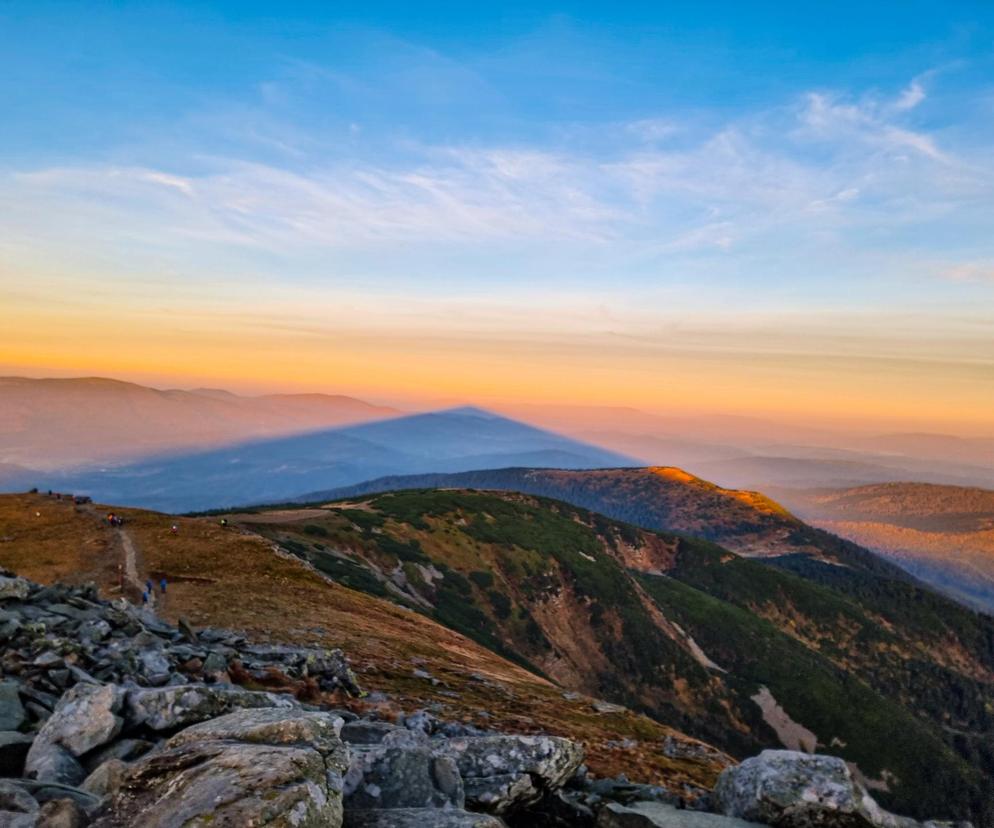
742	653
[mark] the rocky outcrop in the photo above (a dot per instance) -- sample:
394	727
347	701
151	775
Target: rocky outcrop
85	718
660	815
253	767
117	719
420	818
506	772
169	708
789	789
403	770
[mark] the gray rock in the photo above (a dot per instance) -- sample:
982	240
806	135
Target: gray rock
13	588
126	750
315	729
402	772
50	762
11	709
18	809
789	789
215	663
660	815
420	818
85	718
504	772
170	708
13	751
106	779
228	784
61	813
364	732
154	666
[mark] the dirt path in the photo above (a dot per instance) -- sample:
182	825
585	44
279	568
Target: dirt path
131	566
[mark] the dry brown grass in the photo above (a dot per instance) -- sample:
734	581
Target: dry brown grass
230	577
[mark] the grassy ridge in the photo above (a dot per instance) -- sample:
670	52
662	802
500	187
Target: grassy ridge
551	585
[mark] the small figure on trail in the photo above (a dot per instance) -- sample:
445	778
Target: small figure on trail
145	597
111	517
148	586
224	521
162	586
174	529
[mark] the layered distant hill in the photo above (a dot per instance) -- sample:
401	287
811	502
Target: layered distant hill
278	469
666	498
831	651
61	423
941	534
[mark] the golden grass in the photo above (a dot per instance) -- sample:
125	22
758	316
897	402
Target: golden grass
232	577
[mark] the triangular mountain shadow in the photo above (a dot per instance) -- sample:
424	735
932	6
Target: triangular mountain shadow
271	470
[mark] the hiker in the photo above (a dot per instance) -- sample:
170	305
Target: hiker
162	586
145	597
224	521
174	529
148	586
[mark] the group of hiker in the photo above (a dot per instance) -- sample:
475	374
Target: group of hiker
150	590
114	520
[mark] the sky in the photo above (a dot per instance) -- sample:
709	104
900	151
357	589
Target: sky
716	207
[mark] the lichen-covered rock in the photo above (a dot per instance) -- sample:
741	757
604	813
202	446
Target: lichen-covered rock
420	818
661	815
227	785
789	789
170	708
314	729
85	718
13	588
504	772
402	771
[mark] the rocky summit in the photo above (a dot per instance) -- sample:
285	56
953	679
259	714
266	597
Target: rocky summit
113	718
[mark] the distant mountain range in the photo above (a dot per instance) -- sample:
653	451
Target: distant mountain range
56	424
63	425
942	534
281	468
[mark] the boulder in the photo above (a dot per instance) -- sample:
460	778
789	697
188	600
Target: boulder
790	789
50	762
228	785
315	729
265	766
402	771
170	708
85	718
106	779
504	772
18	809
13	588
420	818
13	751
61	813
11	710
367	732
661	815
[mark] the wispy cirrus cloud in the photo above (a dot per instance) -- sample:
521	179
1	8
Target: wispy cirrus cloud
822	167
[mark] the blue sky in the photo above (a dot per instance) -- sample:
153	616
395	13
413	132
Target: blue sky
811	185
